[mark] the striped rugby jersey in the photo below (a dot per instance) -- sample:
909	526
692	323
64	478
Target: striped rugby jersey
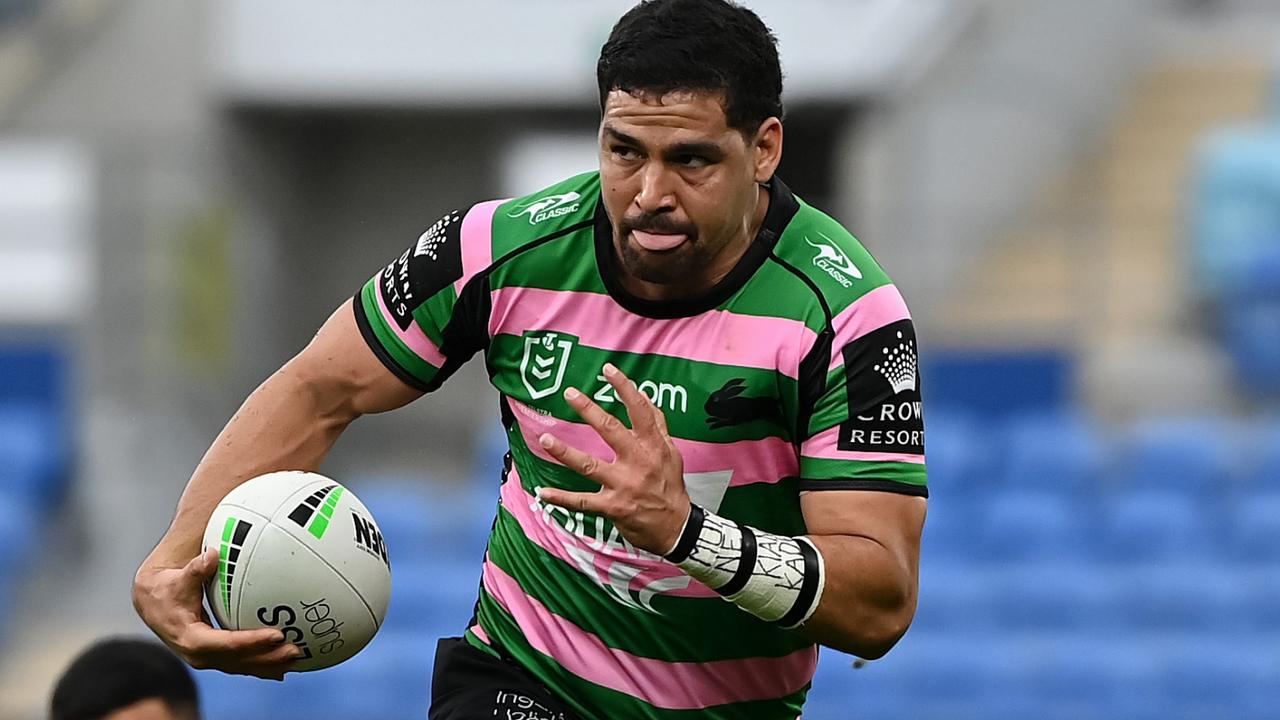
796	372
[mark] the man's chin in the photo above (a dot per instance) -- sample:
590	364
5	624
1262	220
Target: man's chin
666	267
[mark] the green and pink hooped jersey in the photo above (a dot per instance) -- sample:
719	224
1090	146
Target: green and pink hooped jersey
796	373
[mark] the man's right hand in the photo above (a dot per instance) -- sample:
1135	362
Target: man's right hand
170	602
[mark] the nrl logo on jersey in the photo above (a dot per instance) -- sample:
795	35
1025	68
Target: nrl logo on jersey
834	261
546	355
551	206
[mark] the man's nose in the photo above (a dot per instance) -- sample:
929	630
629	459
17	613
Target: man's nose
656	189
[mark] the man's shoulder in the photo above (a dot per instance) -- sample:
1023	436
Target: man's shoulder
551	210
834	262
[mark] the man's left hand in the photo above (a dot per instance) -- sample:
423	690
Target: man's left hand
642	491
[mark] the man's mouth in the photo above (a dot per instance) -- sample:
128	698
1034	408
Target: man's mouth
657	242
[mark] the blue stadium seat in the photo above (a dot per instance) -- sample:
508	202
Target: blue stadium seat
491	446
391	678
1212	676
1265	471
420	519
223	695
950	531
1253	342
1155	524
1254	528
1048	595
1022	525
1062	676
921	675
33	446
1055	453
1195	455
1178	597
435	597
19	532
959	453
1258	586
954	598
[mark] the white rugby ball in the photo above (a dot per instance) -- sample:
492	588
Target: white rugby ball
299	552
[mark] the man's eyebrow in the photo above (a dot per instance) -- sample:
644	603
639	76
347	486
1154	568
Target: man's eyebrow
621	136
700	148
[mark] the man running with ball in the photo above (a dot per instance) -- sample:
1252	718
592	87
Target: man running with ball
710	392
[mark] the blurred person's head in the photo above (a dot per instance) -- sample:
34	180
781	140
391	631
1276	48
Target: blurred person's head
691	101
125	679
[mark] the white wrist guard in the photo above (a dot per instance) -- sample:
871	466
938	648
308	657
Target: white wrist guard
776	578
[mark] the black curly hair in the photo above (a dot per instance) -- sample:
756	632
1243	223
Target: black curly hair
703	45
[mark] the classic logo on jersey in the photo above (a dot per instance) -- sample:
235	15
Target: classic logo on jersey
664	395
546	355
834	262
234	533
432	264
883	379
728	406
551	206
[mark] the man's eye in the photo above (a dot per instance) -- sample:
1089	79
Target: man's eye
693	161
624	153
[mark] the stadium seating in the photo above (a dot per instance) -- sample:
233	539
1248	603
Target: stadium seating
1056	452
1188	455
1019	525
1069	571
1155	525
1254	528
35	456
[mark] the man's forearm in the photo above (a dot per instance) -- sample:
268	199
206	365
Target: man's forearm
869	599
846	592
286	424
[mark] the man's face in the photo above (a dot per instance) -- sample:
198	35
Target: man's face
680	185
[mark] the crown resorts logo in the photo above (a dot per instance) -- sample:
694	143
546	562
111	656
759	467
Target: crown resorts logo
430	241
312	515
234	532
899	365
551	206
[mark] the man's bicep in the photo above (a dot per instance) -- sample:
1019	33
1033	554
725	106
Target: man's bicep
338	360
892	519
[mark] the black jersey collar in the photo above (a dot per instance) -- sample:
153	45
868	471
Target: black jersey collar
782	207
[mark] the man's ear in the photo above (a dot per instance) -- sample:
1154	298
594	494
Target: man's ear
767	149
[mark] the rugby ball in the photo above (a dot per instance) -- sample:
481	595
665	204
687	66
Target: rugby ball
299	552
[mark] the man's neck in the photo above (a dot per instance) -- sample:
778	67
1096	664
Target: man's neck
720	267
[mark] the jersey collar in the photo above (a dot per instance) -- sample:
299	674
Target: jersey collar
782	207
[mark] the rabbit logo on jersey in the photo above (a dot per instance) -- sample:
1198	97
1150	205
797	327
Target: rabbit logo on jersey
551	206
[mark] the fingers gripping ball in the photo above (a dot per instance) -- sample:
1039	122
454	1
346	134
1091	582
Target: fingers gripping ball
299	552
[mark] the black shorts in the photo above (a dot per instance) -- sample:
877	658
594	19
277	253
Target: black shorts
470	684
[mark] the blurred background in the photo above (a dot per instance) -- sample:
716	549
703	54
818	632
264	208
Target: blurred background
1080	201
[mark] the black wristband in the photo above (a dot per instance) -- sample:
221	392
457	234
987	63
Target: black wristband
808	590
689	537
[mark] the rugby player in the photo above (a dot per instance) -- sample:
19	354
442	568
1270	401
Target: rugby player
710	394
